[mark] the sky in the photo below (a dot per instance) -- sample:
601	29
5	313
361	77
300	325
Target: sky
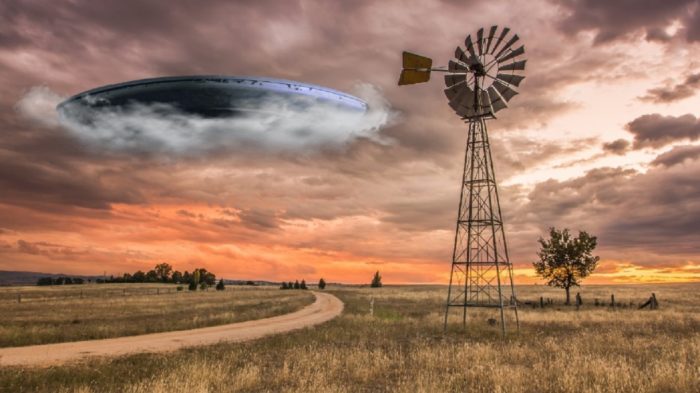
603	137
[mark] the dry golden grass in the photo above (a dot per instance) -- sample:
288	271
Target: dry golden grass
71	313
402	348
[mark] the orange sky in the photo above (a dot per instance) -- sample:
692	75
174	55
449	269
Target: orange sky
603	137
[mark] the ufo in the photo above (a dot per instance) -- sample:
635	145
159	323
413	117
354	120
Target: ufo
209	96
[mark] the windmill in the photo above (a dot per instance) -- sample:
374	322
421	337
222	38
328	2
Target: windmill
480	81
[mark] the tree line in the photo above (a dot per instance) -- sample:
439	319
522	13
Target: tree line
162	272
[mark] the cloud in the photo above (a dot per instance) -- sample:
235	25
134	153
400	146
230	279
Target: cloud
677	155
618	146
283	123
653	216
615	19
656	130
673	93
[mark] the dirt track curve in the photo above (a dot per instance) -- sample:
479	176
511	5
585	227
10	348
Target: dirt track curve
324	308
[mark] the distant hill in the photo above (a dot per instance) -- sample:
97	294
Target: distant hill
29	278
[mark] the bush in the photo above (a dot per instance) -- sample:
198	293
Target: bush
220	285
203	286
179	288
321	283
284	285
192	286
303	285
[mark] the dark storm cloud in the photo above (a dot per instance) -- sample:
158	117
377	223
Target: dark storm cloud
686	89
657	211
618	146
677	155
614	19
656	130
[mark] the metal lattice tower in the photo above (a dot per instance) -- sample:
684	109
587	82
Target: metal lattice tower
481	275
480	81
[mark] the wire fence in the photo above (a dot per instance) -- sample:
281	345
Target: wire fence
89	291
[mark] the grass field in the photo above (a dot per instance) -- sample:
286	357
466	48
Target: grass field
83	312
402	348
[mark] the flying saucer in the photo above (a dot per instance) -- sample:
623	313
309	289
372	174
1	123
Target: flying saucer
210	96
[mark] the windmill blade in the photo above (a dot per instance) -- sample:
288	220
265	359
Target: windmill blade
469	45
480	41
492	33
455	91
500	38
465	107
510	79
512	54
461	56
497	101
453	79
504	90
453	66
516	66
508	44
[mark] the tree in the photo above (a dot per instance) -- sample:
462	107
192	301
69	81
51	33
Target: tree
284	285
139	276
220	285
321	283
296	284
206	277
303	285
564	260
376	280
163	271
196	277
151	276
176	277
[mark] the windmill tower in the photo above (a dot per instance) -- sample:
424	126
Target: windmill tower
480	81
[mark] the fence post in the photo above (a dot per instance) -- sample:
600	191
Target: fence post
612	301
541	302
579	302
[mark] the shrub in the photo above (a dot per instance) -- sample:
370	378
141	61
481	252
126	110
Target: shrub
303	285
179	288
220	285
321	283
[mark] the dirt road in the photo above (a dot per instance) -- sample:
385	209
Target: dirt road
326	307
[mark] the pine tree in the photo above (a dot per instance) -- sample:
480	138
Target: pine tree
303	284
376	280
321	283
296	284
